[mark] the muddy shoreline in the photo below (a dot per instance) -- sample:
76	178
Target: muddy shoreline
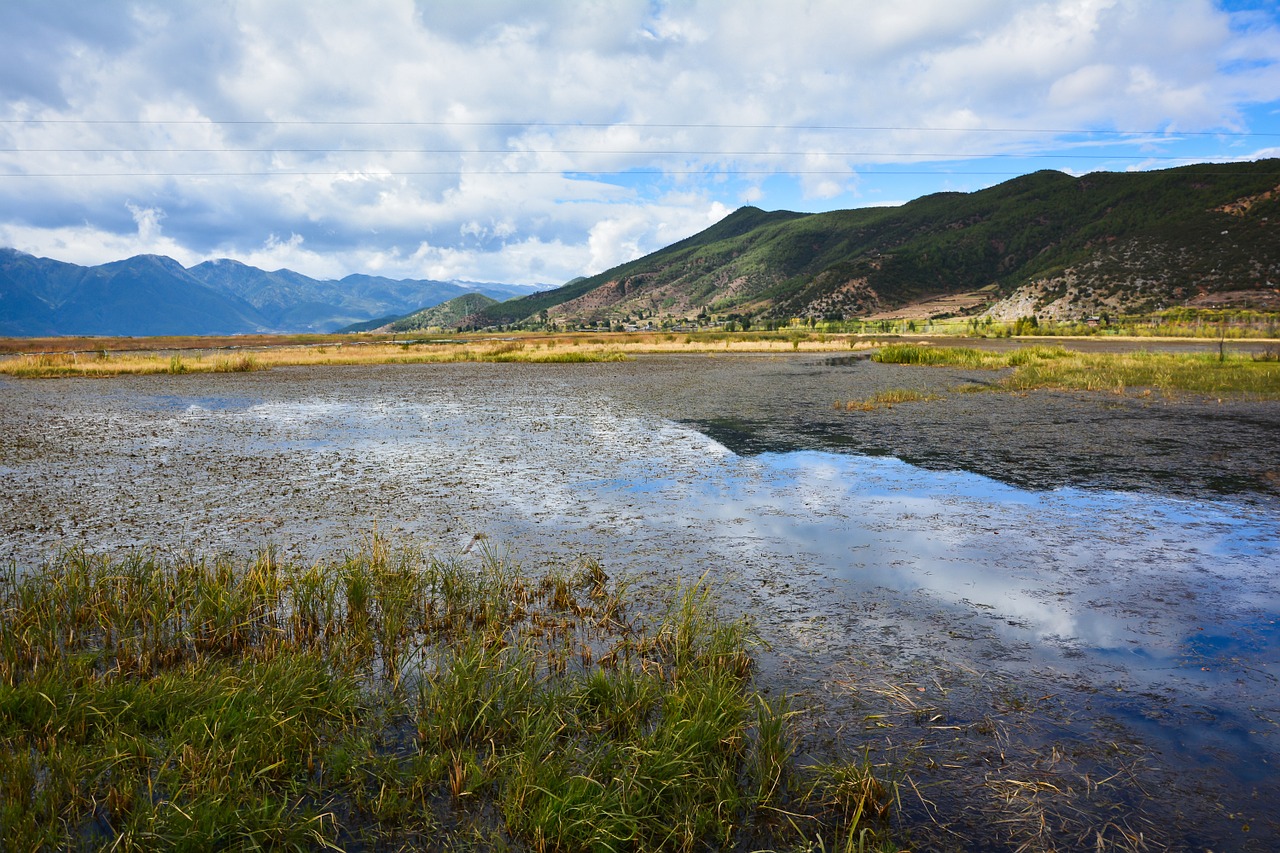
739	468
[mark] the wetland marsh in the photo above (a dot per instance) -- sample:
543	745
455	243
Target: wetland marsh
1052	617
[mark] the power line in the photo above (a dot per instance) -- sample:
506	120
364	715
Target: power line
632	126
939	155
564	172
427	173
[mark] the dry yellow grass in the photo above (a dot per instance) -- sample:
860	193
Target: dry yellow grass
524	348
106	364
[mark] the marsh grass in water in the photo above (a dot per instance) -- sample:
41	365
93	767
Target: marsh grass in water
885	400
389	699
1042	367
527	348
76	364
45	365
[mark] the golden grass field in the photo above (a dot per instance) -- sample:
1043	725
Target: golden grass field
196	355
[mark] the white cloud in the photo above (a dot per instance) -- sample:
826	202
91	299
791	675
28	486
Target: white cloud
86	244
339	137
614	241
148	219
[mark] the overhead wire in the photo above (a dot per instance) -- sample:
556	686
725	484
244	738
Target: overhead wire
1164	132
939	155
572	173
510	151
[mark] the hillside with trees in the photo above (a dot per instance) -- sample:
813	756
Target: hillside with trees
447	316
1046	243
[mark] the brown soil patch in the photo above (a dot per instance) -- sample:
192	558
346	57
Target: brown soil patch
956	303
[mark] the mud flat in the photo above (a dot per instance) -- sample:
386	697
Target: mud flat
1056	616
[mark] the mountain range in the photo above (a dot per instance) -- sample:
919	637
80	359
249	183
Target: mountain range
1046	244
155	295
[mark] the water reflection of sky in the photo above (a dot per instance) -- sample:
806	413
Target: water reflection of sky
1121	577
1104	571
1152	582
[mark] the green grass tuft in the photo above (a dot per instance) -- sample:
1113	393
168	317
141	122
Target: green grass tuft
922	354
389	699
885	400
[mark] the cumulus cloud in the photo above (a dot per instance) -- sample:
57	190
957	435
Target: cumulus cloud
502	140
90	244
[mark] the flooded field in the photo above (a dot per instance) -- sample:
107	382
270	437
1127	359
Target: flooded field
1055	617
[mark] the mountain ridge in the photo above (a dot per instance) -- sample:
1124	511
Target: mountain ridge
447	316
149	295
1047	242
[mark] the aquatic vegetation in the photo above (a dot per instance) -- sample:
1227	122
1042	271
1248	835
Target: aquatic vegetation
1198	373
44	365
563	348
388	698
885	400
238	364
1042	367
921	354
74	364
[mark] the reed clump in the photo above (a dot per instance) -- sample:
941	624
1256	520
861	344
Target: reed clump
244	363
62	364
923	354
391	699
885	400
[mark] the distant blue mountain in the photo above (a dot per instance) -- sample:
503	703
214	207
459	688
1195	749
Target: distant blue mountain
154	295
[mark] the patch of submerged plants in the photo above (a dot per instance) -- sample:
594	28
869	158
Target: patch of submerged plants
390	699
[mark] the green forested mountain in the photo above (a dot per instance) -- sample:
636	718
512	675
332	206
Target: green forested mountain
1045	243
446	316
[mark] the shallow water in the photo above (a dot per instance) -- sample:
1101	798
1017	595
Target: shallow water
1054	590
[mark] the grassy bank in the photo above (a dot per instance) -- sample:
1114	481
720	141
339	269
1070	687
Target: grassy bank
67	357
105	363
388	699
536	348
1041	367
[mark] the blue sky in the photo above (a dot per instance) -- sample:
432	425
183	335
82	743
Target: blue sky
502	140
